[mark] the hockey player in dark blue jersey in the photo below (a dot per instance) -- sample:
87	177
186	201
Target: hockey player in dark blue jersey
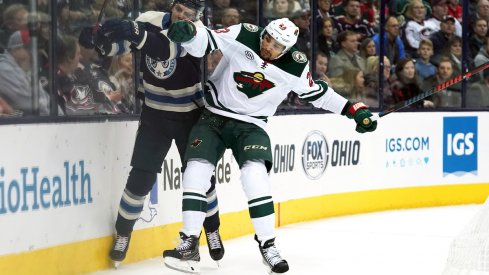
173	102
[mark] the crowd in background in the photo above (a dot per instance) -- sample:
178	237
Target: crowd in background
422	47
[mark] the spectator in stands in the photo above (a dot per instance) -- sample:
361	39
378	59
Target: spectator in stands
324	9
121	75
282	8
14	18
372	82
399	7
229	16
5	108
482	10
302	19
415	29
74	15
92	69
75	95
406	84
15	80
393	46
370	10
478	36
449	97
424	67
440	11
44	37
322	66
367	48
441	38
350	84
483	56
347	56
454	53
353	21
455	9
478	94
327	37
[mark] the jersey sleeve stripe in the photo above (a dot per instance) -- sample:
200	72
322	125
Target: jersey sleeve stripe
212	41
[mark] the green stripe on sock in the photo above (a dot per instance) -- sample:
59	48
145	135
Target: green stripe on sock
261	210
194	205
259	199
194	194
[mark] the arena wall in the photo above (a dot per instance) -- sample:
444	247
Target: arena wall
60	184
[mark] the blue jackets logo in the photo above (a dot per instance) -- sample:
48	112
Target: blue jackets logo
459	145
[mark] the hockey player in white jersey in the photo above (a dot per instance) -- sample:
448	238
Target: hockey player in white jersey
257	70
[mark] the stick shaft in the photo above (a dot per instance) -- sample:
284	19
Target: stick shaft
99	18
437	88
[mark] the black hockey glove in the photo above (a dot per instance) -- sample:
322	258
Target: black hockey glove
182	31
91	38
121	29
361	114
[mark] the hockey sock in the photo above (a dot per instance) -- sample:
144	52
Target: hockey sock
130	209
256	185
196	180
212	222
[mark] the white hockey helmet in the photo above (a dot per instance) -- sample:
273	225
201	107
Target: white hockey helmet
284	31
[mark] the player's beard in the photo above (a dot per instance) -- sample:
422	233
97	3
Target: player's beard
264	54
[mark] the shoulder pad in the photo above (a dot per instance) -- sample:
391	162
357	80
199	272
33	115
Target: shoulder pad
298	56
199	24
250	27
152	17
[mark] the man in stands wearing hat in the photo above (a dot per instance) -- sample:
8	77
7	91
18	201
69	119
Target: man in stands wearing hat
302	19
441	37
15	81
353	21
439	11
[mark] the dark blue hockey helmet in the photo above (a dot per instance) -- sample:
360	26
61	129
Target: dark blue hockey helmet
196	5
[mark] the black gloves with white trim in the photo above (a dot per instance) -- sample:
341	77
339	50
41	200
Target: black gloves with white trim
113	30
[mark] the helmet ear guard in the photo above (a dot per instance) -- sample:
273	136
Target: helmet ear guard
197	5
283	31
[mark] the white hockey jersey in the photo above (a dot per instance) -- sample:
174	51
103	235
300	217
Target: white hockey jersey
245	87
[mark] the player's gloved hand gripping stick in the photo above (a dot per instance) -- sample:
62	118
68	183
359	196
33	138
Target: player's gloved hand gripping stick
425	94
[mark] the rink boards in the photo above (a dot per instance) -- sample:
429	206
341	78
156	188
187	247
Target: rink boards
60	184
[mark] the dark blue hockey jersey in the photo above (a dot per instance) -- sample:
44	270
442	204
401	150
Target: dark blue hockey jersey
169	77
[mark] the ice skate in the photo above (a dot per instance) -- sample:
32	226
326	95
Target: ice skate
119	249
214	243
271	257
185	257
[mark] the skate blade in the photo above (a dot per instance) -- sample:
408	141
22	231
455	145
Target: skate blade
218	264
191	267
269	269
117	264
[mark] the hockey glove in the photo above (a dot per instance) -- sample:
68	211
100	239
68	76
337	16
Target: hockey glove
87	38
182	31
361	114
119	29
91	38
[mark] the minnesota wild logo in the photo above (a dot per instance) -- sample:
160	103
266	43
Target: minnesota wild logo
252	84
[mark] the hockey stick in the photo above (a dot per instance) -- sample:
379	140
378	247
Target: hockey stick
100	15
425	94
